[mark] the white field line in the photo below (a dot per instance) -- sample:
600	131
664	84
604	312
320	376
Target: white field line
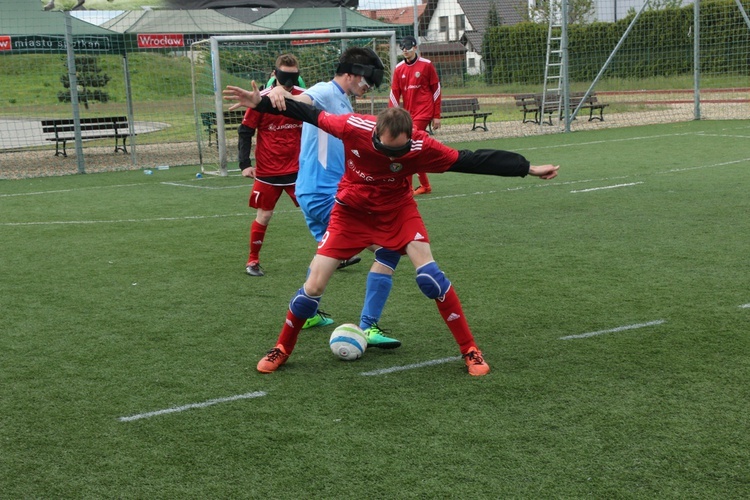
608	141
124	221
606	187
72	190
745	306
196	186
177	409
613	330
411	367
120	221
99	188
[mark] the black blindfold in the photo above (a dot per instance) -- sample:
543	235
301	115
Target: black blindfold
372	75
388	150
287	78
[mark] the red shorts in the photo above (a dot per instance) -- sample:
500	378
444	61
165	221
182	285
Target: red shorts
351	231
265	196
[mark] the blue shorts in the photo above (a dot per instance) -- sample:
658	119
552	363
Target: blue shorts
317	209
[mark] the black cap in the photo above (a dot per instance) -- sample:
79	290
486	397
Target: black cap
407	42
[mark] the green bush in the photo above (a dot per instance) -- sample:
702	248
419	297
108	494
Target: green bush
660	44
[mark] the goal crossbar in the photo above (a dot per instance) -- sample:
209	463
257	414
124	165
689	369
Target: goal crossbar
214	42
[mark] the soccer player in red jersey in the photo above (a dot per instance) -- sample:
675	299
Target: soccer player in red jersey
276	158
416	82
375	205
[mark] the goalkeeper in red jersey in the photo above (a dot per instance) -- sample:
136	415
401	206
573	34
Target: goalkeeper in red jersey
415	82
375	205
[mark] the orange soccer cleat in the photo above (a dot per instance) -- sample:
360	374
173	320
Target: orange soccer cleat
273	360
475	363
423	190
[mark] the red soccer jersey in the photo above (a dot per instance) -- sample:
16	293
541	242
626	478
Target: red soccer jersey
419	87
277	141
373	182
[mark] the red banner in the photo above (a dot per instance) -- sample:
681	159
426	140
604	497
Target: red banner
310	41
5	42
159	41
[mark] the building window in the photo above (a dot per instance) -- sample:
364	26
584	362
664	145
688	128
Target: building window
460	23
472	62
443	24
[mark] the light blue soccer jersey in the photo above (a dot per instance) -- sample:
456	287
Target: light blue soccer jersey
321	159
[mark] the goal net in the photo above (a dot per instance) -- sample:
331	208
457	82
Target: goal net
237	60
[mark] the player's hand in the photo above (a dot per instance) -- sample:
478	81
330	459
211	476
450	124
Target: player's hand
544	171
277	96
248	172
435	123
244	98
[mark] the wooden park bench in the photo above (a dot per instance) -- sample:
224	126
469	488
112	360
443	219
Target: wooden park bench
459	107
528	105
450	108
232	121
63	130
592	104
533	103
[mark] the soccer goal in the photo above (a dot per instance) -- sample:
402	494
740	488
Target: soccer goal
237	60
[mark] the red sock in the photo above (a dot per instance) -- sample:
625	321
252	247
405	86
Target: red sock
453	315
257	235
423	180
290	331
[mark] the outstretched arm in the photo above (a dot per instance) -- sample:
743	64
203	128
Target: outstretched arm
244	98
497	162
292	109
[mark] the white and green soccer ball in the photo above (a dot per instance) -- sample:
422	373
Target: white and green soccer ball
348	342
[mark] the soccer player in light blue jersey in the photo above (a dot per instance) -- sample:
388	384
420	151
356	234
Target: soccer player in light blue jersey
321	166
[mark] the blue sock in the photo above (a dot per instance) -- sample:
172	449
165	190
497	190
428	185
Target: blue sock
376	294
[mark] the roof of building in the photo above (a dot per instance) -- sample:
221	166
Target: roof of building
442	48
401	15
475	40
27	18
178	21
509	11
318	18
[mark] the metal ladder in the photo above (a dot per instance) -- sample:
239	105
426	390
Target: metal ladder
553	66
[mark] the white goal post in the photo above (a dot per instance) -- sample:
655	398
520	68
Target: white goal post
208	77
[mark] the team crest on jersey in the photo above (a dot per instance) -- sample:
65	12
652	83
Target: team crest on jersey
396	167
417	74
355	152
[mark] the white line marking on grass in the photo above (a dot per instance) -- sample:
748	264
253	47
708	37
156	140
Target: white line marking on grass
176	409
36	193
612	330
722	164
411	367
745	306
197	186
626	139
120	221
606	187
153	219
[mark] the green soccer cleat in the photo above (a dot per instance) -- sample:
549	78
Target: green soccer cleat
320	319
376	338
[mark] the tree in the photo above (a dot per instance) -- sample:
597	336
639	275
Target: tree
493	18
90	80
579	11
